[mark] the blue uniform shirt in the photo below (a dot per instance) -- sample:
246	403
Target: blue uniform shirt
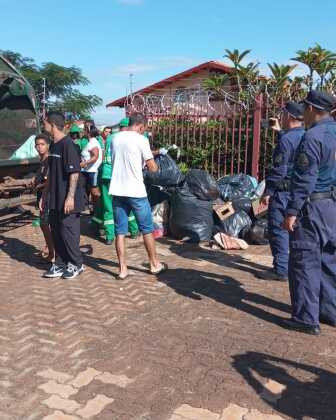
283	158
315	164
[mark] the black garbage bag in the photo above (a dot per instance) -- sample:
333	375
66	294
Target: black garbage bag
244	204
236	186
167	175
258	233
237	224
156	195
202	185
190	217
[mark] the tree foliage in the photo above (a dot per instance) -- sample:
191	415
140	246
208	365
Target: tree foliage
61	85
246	83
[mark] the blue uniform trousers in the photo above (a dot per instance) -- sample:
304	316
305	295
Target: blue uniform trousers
278	237
312	263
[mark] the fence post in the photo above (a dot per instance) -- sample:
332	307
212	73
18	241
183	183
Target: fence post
256	136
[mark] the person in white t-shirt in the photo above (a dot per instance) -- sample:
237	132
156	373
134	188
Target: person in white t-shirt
92	157
130	153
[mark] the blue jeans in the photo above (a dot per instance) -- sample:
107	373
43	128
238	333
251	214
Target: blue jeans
122	207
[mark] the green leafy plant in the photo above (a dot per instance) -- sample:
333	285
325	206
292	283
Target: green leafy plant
61	87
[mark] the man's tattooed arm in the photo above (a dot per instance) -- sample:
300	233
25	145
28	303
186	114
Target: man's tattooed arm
73	181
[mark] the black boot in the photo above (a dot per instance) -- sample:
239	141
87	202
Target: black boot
304	328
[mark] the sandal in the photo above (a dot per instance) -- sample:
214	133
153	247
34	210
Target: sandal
164	267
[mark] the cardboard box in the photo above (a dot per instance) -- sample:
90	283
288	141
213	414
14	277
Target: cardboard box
259	209
223	211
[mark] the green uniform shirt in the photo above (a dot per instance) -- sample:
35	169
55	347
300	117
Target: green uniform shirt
82	143
106	166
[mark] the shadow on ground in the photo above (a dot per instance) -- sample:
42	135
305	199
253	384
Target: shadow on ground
310	396
23	252
222	258
196	284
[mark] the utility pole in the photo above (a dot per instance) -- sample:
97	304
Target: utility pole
44	98
131	83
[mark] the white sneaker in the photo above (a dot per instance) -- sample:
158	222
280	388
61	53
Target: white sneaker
72	271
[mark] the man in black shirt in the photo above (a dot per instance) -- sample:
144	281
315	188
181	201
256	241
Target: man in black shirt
65	200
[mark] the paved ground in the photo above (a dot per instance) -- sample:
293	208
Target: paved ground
204	342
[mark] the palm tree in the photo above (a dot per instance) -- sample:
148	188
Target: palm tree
249	73
236	57
330	84
318	59
280	80
280	73
215	83
308	58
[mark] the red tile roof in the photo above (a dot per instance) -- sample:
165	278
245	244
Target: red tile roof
209	65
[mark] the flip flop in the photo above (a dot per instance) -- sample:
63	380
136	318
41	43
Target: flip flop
164	267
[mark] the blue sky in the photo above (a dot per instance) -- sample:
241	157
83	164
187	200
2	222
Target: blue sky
154	39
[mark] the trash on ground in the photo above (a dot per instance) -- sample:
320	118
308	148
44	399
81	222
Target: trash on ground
227	242
238	224
190	217
202	185
237	186
168	174
258	234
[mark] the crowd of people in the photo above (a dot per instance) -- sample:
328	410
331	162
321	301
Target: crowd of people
108	167
300	192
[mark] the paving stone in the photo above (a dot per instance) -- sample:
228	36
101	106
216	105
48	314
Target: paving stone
233	412
52	387
6	384
94	406
58	415
63	404
257	415
272	391
119	380
192	336
84	378
195	413
56	376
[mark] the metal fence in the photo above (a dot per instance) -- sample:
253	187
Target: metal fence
221	136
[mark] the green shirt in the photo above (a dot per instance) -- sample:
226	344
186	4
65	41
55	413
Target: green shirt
82	143
106	166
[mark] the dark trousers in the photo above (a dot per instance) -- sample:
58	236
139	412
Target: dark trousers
278	237
312	263
65	230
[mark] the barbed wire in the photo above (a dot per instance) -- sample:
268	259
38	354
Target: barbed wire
189	101
222	102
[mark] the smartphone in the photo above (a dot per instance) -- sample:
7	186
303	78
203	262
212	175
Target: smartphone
268	123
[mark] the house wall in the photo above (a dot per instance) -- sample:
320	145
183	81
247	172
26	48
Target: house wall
192	81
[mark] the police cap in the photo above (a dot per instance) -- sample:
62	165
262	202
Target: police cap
321	100
294	109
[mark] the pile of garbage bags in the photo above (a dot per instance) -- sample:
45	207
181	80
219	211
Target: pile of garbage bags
186	205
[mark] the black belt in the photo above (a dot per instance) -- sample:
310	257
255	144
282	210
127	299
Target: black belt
283	186
322	195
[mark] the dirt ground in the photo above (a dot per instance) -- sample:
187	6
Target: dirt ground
203	341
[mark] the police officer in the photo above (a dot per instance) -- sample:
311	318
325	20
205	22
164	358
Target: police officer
277	187
311	219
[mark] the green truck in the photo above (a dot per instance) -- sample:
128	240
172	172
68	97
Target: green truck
19	122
